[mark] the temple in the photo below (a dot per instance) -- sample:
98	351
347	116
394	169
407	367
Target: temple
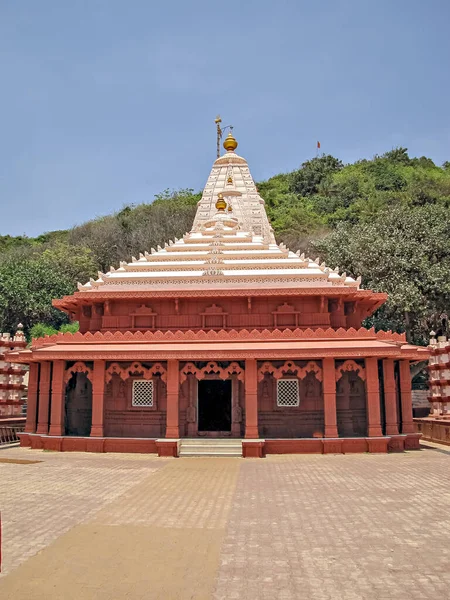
12	384
435	427
222	340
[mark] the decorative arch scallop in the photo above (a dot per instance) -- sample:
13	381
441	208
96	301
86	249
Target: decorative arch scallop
78	367
212	368
348	366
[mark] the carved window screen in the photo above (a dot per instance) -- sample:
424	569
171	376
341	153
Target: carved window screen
287	392
142	393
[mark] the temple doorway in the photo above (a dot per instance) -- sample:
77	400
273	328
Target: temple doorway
78	408
214	405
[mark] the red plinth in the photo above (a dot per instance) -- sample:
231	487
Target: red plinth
253	448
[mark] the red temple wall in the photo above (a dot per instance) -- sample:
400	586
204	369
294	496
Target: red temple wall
124	420
305	420
233	312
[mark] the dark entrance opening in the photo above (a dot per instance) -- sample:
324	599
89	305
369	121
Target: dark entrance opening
214	405
78	405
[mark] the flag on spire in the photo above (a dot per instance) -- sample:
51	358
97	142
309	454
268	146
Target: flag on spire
318	145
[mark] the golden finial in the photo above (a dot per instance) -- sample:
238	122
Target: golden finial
230	144
220	204
230	179
230	208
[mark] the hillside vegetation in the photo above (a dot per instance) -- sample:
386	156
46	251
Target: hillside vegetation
386	219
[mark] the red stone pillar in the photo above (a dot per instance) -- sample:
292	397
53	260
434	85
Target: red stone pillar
251	399
390	397
329	398
173	386
98	398
373	398
32	399
406	397
44	398
58	397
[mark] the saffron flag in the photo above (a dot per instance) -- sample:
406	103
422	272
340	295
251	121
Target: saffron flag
318	144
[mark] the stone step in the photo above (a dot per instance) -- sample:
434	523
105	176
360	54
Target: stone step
211	447
187	453
210	441
211	452
205	448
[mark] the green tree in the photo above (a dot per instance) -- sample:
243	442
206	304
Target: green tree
403	253
42	329
138	228
26	292
313	173
76	263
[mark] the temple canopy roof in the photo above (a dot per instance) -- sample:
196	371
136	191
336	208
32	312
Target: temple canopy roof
222	344
231	245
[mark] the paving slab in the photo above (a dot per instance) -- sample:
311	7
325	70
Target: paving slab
340	527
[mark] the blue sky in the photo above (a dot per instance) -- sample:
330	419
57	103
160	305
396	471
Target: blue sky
108	102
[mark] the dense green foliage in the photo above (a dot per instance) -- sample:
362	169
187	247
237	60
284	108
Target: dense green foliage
405	253
42	329
386	219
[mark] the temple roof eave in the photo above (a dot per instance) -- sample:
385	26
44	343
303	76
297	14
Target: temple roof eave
231	350
71	303
235	344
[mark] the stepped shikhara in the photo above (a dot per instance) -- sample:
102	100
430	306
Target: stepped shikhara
222	334
231	244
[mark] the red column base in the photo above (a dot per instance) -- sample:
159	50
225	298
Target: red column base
397	443
332	446
52	443
374	431
97	431
24	440
55	430
253	449
251	433
408	427
166	447
331	432
391	429
377	445
412	441
172	432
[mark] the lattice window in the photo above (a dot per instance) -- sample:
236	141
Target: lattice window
142	393
287	392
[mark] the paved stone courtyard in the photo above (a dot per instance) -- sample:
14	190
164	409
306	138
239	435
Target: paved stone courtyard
113	526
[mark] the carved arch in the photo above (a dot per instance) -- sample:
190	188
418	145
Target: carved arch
311	367
212	368
290	367
350	365
78	367
114	369
135	368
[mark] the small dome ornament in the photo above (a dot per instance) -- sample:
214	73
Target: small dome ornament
220	204
230	144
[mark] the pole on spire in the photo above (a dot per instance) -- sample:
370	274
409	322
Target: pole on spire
218	121
220	132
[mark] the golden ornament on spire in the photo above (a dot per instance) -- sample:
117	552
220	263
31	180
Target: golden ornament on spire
230	144
220	204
